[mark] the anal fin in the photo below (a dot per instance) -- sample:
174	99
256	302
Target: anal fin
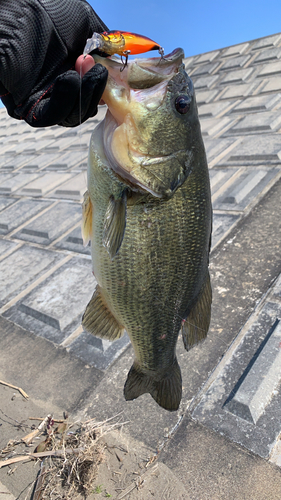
99	321
87	215
196	325
166	391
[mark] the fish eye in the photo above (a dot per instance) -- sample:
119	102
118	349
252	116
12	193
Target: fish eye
182	104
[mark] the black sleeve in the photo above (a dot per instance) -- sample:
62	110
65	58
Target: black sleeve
40	41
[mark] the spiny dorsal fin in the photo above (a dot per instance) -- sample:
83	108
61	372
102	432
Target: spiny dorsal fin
99	321
196	325
115	224
166	391
87	215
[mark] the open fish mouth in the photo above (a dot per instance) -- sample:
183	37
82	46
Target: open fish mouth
134	97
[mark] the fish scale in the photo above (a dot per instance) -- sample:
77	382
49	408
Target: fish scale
152	267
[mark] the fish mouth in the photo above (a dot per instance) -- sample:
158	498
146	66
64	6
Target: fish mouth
132	95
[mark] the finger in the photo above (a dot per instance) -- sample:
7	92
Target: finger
84	64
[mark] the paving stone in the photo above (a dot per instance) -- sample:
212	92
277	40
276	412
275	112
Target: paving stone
235	50
98	352
244	189
213	109
52	224
204	69
235	62
44	183
5	202
73	242
72	189
54	309
255	150
257	122
270	69
244	400
204	81
188	61
15	182
212	126
268	55
15	161
268	41
208	57
238	76
19	213
222	224
205	96
31	146
21	268
257	103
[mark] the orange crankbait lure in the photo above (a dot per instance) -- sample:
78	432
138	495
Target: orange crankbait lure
122	43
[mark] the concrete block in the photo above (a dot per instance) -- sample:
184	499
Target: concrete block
237	91
68	160
44	183
216	147
52	224
72	189
272	85
19	213
15	182
213	109
255	150
73	242
21	268
6	246
235	50
39	161
268	41
206	96
219	177
238	76
6	202
207	57
204	81
212	126
259	382
244	188
235	62
257	122
243	401
33	146
204	69
98	352
257	103
62	297
273	68
222	223
268	55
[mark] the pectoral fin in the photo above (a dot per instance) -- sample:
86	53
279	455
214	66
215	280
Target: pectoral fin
115	224
99	321
196	325
87	215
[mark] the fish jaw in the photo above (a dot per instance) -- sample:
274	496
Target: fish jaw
145	137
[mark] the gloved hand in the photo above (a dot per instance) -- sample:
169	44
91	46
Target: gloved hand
40	41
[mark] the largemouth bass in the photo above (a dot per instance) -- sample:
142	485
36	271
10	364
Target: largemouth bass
148	214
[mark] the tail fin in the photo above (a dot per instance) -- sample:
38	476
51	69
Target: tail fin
166	392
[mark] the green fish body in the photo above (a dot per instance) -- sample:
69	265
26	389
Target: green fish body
150	226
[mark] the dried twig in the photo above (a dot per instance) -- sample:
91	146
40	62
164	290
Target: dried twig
15	387
32	456
29	438
137	482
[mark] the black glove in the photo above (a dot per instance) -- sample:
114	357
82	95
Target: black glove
40	41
